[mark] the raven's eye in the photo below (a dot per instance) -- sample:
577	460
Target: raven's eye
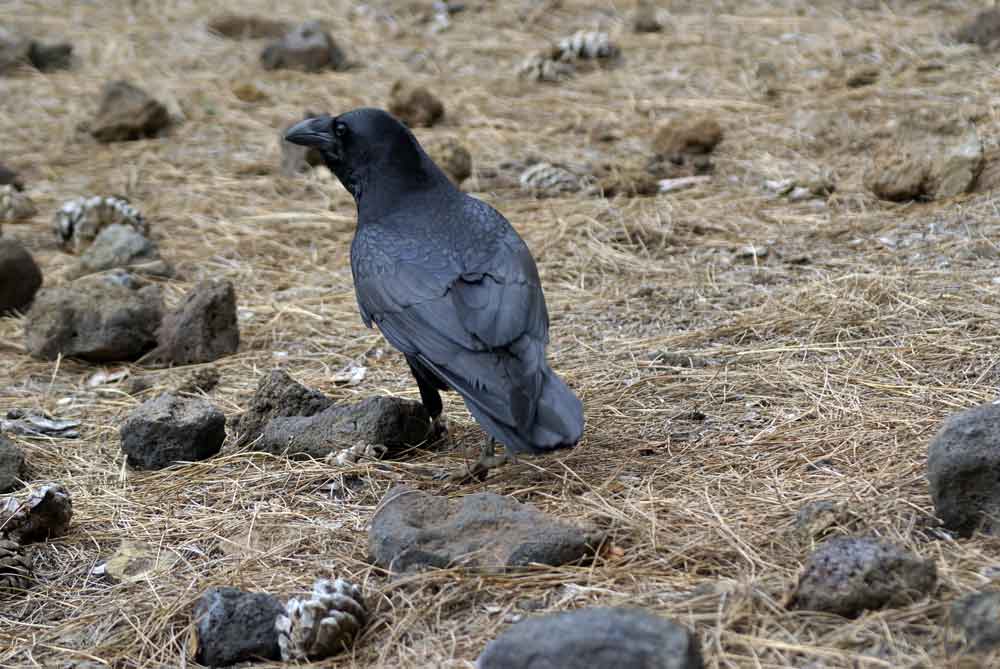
340	130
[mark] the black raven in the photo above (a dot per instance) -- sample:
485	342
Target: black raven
449	283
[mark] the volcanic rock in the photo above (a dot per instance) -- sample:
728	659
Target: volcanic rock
849	575
235	626
11	465
202	328
127	112
389	421
99	318
20	277
596	638
307	47
963	468
415	530
170	429
278	395
414	105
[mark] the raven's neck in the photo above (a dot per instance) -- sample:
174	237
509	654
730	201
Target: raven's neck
404	174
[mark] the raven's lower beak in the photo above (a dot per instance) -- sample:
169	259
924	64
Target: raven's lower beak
317	131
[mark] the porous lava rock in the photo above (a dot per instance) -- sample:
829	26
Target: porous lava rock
307	47
235	626
927	163
415	530
963	469
595	638
977	617
414	105
11	465
126	113
389	421
278	395
850	575
170	429
99	318
202	328
20	277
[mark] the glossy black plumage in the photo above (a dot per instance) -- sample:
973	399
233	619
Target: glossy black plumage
448	282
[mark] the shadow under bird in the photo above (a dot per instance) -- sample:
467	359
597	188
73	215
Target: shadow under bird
449	283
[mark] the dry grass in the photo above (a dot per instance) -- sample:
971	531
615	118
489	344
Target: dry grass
846	345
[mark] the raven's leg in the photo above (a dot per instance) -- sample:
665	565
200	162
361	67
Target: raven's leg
430	397
488	459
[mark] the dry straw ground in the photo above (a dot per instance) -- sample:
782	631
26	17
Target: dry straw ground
817	372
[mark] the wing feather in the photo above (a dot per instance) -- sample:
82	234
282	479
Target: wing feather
482	329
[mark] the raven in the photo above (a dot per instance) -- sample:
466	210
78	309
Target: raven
449	283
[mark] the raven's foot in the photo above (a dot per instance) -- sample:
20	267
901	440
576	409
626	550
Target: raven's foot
488	459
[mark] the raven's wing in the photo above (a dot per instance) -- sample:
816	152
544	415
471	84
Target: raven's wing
477	320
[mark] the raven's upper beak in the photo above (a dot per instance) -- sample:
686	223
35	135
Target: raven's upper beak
317	131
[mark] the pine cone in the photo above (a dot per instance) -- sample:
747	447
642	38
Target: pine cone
46	513
15	567
323	625
585	45
78	221
546	179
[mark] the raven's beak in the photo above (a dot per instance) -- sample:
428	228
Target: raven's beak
317	131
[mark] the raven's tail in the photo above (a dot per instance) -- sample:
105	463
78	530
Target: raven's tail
556	423
528	412
559	417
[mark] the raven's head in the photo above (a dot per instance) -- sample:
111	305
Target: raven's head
368	150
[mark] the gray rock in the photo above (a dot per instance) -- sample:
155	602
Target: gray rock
849	575
15	206
202	380
927	163
20	277
235	626
983	29
977	617
100	318
45	514
9	177
202	328
415	530
821	518
597	638
17	51
414	105
11	465
277	395
307	47
963	468
170	429
451	156
117	245
645	19
955	170
127	113
50	57
388	421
